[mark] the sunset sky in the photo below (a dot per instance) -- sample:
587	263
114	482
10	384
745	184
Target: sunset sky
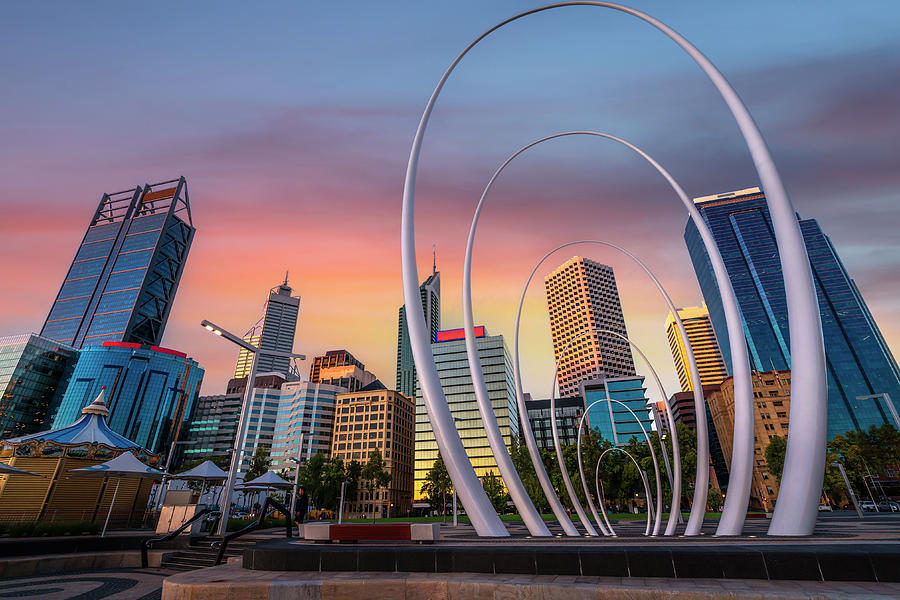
292	122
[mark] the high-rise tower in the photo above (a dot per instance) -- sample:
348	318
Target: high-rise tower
274	331
430	292
123	279
703	341
858	361
582	296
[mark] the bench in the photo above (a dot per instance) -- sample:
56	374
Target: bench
371	532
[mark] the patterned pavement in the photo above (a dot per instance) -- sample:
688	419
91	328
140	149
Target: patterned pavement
116	584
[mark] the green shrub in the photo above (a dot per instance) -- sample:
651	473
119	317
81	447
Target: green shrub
49	528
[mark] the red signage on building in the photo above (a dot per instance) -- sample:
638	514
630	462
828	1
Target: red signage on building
450	335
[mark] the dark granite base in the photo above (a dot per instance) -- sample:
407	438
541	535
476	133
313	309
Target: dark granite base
813	562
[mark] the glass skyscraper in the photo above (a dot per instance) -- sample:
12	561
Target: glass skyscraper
122	282
34	372
456	380
615	423
430	292
858	361
274	331
151	391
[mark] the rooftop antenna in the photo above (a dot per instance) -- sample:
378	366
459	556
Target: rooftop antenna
286	277
433	259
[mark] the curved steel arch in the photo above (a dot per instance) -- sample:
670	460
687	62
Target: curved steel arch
675	503
805	456
702	472
480	388
600	488
658	518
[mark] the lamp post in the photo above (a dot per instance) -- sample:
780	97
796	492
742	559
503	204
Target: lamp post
840	467
890	405
228	488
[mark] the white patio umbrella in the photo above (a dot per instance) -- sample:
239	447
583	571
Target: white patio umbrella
205	471
267	482
5	469
123	466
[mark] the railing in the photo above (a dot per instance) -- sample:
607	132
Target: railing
145	545
288	521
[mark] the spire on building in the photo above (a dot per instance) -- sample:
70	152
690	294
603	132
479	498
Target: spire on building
433	259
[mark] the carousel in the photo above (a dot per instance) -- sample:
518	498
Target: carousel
60	493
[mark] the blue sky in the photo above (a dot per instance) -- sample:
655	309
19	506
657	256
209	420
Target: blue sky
292	122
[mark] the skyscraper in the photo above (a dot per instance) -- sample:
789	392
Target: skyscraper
582	296
615	423
388	422
858	361
451	359
703	341
151	391
274	331
34	373
122	282
430	292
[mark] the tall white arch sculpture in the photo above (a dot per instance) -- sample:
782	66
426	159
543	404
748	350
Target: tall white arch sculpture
742	379
600	487
658	518
701	478
805	455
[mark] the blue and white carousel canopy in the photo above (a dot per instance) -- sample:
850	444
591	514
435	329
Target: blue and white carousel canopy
90	428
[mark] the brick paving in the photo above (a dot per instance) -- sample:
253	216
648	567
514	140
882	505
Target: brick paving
115	584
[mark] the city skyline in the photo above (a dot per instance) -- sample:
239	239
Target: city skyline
832	59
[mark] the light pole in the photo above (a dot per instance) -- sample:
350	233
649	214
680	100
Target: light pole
228	488
890	405
840	467
296	478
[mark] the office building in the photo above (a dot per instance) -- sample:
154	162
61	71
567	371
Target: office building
615	423
377	420
341	369
34	372
772	404
430	293
151	391
211	432
568	415
453	369
582	297
305	415
122	282
858	361
684	411
703	342
274	331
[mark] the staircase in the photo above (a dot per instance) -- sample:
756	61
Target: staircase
200	554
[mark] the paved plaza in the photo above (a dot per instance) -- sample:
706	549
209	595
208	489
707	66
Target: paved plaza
115	584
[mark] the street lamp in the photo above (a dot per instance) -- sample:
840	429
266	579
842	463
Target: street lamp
890	405
228	488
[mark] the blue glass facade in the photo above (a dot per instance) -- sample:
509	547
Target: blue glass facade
858	360
613	420
34	372
123	279
151	392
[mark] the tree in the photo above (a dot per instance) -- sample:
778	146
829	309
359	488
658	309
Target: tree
259	464
775	455
521	459
495	491
375	472
437	485
714	499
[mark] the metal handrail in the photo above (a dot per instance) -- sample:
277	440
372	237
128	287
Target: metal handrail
145	545
288	520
